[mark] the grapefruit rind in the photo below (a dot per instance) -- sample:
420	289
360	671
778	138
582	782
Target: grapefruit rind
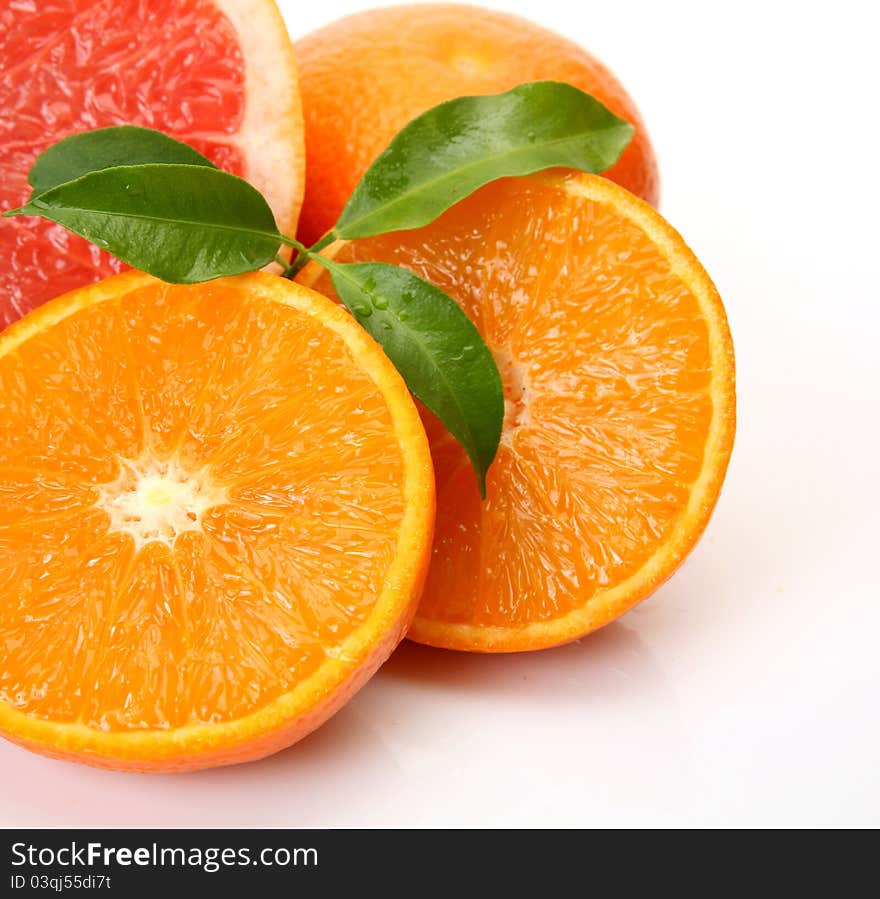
273	125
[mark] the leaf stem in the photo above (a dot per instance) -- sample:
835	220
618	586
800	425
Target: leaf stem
303	254
325	241
293	242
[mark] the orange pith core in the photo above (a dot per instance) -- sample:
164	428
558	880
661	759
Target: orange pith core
186	534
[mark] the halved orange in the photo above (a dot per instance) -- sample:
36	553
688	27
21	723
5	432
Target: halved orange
218	74
216	507
619	377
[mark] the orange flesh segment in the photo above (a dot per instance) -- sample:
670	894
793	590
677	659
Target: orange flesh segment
290	479
618	375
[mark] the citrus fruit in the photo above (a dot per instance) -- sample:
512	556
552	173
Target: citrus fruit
218	74
365	76
618	371
216	516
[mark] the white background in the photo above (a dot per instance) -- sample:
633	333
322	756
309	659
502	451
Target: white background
745	692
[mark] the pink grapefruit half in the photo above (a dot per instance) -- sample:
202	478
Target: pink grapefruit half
218	74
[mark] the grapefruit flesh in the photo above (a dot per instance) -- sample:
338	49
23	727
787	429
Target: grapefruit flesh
218	74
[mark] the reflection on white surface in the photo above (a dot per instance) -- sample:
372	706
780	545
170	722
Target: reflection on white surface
417	745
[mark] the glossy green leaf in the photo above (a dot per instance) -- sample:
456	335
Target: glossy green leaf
456	147
181	223
436	348
106	148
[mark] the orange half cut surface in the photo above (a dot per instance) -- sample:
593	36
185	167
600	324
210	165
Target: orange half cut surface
618	369
216	507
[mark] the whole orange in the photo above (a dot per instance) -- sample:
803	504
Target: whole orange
365	76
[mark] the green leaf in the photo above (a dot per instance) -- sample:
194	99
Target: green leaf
106	148
181	223
436	348
456	147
